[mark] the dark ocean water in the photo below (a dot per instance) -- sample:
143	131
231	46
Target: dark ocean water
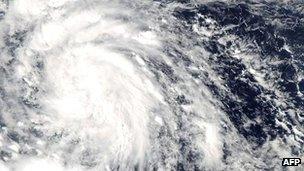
264	29
151	85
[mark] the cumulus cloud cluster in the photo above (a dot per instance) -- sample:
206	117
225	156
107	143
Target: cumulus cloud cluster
80	93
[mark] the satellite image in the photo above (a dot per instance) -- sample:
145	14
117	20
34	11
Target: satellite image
151	85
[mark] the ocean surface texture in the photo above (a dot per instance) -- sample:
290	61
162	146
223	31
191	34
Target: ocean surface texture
156	85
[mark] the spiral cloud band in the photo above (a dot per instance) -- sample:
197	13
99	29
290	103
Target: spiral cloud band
96	100
119	85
